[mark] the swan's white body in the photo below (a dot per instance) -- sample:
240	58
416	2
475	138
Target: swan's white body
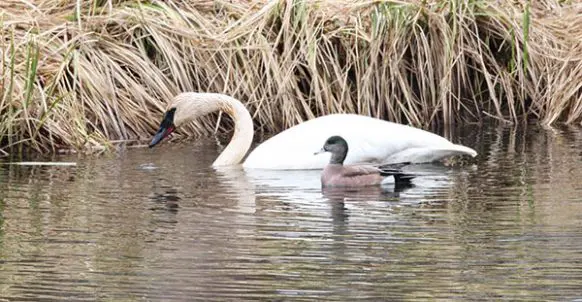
370	140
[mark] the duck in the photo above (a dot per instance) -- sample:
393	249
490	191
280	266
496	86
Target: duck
336	174
372	140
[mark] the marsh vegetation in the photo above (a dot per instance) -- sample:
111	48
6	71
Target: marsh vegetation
83	74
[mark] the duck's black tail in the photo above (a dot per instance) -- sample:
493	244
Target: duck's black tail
400	178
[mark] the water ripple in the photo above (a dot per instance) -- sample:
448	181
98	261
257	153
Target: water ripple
162	225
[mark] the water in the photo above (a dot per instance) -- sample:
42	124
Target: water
161	225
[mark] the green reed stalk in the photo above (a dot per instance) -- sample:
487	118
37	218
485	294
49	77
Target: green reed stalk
526	27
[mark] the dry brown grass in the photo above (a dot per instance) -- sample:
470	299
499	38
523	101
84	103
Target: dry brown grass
80	74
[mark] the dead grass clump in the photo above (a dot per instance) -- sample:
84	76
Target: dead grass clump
80	74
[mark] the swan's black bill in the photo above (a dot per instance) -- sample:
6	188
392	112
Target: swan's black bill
160	135
166	127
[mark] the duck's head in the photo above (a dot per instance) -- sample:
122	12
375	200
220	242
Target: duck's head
338	147
183	108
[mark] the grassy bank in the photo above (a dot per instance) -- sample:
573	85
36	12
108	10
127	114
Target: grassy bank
80	74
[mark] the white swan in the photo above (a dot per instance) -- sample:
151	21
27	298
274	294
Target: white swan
374	141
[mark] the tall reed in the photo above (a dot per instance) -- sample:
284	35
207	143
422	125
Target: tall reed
81	74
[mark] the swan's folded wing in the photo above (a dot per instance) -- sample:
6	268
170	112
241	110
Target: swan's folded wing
429	154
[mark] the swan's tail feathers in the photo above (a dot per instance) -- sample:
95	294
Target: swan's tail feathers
465	150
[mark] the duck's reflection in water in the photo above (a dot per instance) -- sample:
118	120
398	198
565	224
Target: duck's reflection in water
342	201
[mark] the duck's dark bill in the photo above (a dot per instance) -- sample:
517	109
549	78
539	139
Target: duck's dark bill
322	150
162	133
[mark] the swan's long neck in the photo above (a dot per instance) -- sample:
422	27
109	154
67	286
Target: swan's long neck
242	138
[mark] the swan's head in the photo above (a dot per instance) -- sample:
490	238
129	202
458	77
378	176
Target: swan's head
183	108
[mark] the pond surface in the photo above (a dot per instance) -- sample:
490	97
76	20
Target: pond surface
161	225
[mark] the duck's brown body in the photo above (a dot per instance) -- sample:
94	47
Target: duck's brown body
337	175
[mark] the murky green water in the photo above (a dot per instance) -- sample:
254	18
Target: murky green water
162	225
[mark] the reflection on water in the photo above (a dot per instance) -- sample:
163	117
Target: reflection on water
163	225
